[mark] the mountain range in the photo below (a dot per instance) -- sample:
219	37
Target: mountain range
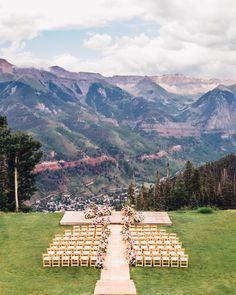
135	123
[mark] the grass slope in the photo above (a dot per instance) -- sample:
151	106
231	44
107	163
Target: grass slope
210	242
208	239
23	239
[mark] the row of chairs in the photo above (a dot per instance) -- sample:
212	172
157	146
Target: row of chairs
81	252
144	241
162	261
144	228
69	260
170	252
157	236
83	242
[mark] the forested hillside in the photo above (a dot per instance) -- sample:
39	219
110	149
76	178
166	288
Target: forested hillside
213	184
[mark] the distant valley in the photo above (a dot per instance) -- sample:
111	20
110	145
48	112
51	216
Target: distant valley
116	128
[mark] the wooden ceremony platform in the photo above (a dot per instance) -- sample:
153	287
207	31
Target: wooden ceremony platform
150	217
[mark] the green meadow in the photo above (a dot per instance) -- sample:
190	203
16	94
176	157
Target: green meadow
209	239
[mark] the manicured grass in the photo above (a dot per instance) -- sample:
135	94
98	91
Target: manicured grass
210	241
23	239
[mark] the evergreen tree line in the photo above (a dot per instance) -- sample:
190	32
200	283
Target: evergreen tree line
213	184
19	153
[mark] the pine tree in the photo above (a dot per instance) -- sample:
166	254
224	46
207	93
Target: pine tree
138	202
227	193
3	183
207	187
151	198
4	136
187	176
196	189
158	196
142	194
131	193
178	195
27	151
166	190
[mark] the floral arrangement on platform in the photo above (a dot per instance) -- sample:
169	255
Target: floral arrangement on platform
131	215
138	217
97	211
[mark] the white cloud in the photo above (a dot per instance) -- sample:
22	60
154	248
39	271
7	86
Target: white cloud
193	37
24	19
98	42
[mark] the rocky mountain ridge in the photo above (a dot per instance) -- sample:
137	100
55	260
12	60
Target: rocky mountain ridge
86	115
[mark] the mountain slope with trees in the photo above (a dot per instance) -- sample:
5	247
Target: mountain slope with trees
130	118
213	185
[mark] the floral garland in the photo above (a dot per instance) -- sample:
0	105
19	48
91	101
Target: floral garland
102	249
101	221
97	211
131	216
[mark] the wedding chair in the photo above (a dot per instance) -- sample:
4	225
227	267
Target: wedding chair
56	261
139	261
75	260
148	261
93	260
174	261
183	261
47	260
156	260
65	260
165	261
84	260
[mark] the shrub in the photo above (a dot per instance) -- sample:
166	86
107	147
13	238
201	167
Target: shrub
26	208
205	210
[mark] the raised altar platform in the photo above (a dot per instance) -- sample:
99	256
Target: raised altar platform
150	217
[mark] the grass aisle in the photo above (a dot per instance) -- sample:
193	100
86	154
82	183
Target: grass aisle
23	239
210	241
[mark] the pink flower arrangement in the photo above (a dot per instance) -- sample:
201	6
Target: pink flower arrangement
97	211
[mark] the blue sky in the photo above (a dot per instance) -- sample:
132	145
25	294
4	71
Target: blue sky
50	43
151	37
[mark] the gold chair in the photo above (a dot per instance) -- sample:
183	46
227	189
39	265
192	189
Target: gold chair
93	260
183	261
75	260
139	260
47	260
174	261
56	261
156	260
165	261
84	260
147	261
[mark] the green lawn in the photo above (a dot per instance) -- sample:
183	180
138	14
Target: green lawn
23	239
209	240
